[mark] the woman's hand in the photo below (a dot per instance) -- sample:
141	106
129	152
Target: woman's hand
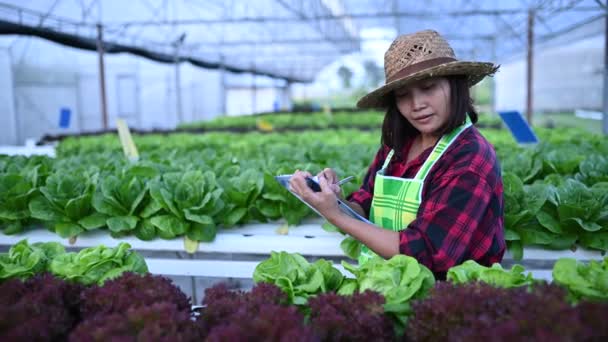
332	180
325	202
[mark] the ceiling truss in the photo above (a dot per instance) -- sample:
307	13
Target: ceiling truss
306	33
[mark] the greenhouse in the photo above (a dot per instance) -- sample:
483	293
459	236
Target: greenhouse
310	170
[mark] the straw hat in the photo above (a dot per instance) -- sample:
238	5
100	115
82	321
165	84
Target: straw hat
419	55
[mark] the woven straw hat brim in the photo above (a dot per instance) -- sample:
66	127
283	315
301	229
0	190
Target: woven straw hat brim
476	71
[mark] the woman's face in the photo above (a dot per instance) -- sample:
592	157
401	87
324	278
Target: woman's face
425	104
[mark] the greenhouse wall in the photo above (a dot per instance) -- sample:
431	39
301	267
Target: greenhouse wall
45	81
560	83
247	94
240	101
8	123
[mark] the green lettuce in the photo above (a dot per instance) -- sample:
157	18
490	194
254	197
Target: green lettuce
242	187
298	278
583	281
24	260
471	271
191	203
276	202
593	170
123	202
65	203
400	280
15	194
95	265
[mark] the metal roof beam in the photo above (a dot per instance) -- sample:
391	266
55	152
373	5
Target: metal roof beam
343	31
329	17
300	41
48	12
87	43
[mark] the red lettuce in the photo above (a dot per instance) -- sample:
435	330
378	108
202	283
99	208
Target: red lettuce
132	290
359	317
478	311
257	315
155	322
43	308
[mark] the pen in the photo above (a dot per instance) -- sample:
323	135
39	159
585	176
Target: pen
312	183
347	179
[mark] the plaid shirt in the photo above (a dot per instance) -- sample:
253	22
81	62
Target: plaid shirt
461	214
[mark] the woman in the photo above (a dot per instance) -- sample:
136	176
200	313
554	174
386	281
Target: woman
434	190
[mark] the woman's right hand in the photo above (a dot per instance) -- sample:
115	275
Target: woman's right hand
332	180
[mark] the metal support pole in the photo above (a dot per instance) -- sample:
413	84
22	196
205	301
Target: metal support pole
223	86
289	96
13	103
102	77
254	91
178	88
397	23
493	80
605	124
177	44
474	90
530	67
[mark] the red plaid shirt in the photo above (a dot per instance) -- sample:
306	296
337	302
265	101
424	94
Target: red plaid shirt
461	214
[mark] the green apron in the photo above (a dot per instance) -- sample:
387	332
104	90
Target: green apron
396	200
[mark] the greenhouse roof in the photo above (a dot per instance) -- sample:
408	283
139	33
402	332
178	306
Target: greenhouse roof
288	39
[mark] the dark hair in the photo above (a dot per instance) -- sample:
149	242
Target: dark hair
396	128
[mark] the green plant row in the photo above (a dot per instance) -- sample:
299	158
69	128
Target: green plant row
312	120
194	184
402	280
401	277
370	119
168	193
387	300
93	265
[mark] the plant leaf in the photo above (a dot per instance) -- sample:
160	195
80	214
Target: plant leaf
93	221
169	225
122	223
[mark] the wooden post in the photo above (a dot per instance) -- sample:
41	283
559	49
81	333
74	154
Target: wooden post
102	78
530	67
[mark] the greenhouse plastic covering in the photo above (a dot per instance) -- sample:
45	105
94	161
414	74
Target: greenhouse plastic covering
287	39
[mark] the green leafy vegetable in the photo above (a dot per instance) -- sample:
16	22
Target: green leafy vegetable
190	202
584	282
297	277
24	260
95	265
400	280
471	271
65	203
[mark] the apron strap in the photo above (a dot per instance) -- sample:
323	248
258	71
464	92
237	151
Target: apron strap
443	144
